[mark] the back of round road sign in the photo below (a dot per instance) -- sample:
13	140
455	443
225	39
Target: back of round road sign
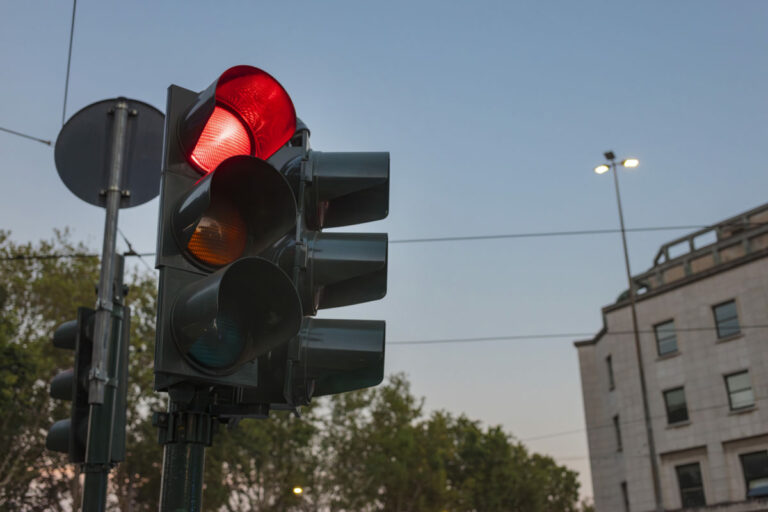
84	148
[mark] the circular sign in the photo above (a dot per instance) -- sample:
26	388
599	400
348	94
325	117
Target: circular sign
83	152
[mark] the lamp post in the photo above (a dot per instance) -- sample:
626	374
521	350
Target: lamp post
602	169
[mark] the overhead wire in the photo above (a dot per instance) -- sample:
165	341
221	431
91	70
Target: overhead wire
132	252
69	62
534	234
19	134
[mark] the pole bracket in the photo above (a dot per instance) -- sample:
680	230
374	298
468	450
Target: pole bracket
184	427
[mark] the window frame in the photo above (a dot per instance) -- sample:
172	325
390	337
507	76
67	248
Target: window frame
720	335
666	393
744	473
730	391
699	488
658	341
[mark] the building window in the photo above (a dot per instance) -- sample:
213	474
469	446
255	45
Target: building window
755	467
691	486
625	495
666	339
726	319
609	366
677	409
617	428
739	388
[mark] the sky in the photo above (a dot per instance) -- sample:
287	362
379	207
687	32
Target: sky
494	113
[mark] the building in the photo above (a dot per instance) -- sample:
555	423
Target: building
703	328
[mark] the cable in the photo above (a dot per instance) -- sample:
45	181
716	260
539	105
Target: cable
561	233
12	132
551	335
132	252
483	237
626	423
69	61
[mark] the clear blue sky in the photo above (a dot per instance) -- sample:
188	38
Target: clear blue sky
494	113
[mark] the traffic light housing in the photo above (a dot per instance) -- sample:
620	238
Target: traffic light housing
244	261
222	302
70	435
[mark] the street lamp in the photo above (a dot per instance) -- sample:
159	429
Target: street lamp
632	163
298	490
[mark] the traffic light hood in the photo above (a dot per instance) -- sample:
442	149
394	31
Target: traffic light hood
347	188
244	112
241	208
235	315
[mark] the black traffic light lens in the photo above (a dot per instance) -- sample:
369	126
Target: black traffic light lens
222	347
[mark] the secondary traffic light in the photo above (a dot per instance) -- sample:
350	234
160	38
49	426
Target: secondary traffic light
244	263
335	269
70	435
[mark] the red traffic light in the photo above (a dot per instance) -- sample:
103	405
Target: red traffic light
245	112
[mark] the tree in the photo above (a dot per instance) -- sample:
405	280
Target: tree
383	454
368	450
39	293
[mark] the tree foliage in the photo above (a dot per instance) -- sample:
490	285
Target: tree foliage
369	450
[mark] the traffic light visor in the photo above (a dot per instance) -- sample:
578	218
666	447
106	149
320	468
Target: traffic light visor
235	315
245	112
240	209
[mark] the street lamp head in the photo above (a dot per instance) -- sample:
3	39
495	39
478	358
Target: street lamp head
609	155
602	169
631	163
297	490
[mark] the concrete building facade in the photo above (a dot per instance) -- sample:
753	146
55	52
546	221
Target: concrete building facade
703	328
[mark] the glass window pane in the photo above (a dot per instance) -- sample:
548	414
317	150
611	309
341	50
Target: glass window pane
758	482
666	338
677	409
725	311
667	346
691	486
726	319
742	399
755	467
739	382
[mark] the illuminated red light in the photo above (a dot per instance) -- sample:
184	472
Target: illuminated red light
224	136
252	115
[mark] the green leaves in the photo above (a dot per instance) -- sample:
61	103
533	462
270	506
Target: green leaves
387	456
368	450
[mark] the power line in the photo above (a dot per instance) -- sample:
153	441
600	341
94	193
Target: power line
132	252
627	422
539	234
13	132
69	61
537	336
581	232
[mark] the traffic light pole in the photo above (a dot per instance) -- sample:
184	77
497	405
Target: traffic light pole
98	377
184	431
106	439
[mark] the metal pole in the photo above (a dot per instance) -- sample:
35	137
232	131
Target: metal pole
98	376
185	431
101	419
638	350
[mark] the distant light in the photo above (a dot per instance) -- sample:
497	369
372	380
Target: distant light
297	490
602	169
631	163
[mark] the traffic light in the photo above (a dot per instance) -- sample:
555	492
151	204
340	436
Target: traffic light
244	261
222	304
70	435
333	269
